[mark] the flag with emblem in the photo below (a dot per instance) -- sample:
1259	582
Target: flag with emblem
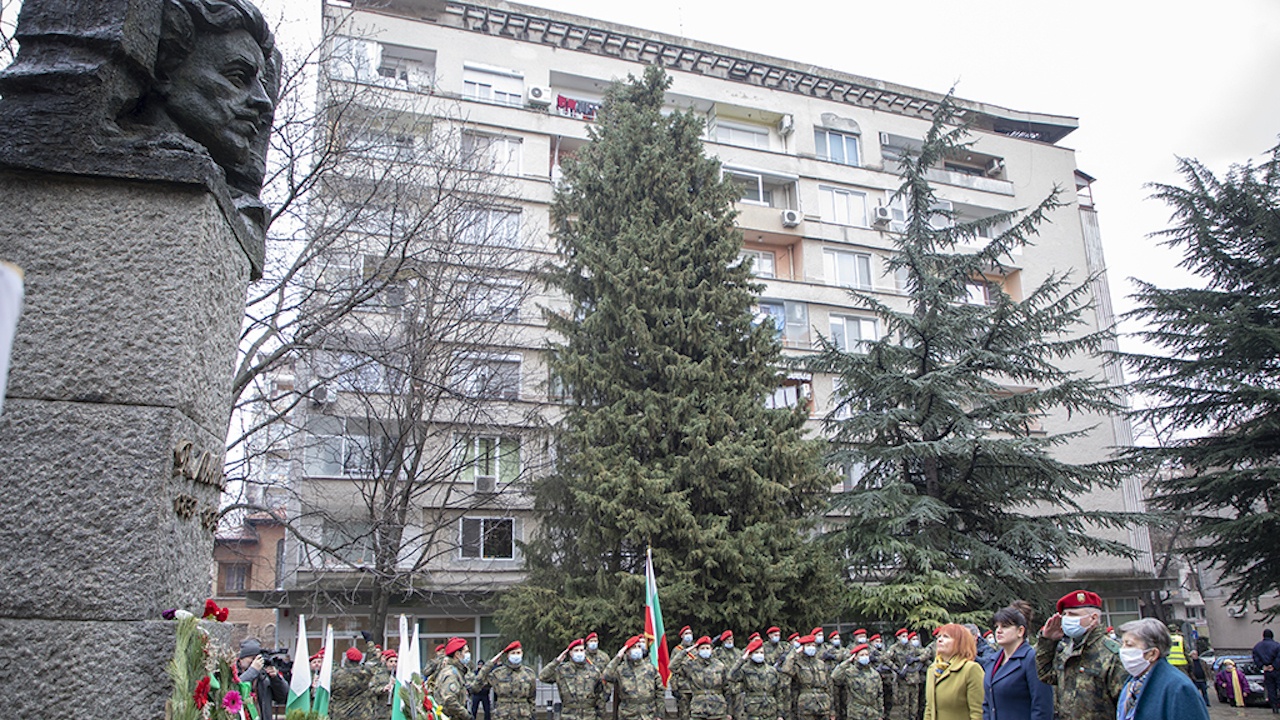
654	633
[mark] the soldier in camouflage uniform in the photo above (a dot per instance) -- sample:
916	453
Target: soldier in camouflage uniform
600	660
636	683
350	693
863	687
451	691
675	683
774	648
833	656
727	657
1075	656
707	679
515	687
578	681
759	685
897	657
911	677
880	661
809	680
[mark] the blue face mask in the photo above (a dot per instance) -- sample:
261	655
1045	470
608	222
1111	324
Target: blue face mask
515	659
636	653
704	652
1072	628
864	659
810	650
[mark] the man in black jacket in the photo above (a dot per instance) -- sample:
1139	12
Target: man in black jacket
265	680
1267	655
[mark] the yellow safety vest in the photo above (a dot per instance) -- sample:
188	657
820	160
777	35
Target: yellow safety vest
1176	654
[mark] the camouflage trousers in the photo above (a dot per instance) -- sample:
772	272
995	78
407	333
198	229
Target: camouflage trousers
683	701
906	702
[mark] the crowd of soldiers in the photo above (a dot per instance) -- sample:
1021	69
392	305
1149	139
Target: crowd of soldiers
815	676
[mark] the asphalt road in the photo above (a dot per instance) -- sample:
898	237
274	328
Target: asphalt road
1218	711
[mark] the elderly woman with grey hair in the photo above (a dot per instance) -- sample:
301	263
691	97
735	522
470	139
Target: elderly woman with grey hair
1155	690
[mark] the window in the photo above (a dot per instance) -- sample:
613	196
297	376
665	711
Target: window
792	391
981	292
350	541
496	299
844	207
488	460
761	188
742	135
852	334
338	447
762	262
791	320
836	146
939	220
406	68
352	372
1118	611
852	475
496	227
488	538
233	579
847	269
354	59
488	84
752	187
383	144
493	378
491	153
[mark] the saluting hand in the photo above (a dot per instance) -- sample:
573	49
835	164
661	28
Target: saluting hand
1053	628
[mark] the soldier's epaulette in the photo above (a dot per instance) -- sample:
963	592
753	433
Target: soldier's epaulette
1110	644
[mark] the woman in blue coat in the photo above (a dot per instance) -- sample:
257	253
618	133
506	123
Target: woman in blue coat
1013	690
1156	690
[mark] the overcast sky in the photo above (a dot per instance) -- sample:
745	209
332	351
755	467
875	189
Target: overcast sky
1148	80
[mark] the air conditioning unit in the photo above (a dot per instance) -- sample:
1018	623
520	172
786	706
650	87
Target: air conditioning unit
786	125
538	95
791	218
323	395
486	484
883	216
1237	612
995	167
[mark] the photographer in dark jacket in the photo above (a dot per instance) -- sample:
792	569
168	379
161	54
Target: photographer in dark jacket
265	680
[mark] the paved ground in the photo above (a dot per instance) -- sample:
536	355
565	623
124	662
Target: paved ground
1218	711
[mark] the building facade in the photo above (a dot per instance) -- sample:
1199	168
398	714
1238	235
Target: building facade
816	155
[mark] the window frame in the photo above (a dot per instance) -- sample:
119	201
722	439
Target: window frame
844	341
482	536
823	150
831	268
757	132
849	194
756	256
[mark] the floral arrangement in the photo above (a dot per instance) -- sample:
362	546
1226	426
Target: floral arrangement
205	685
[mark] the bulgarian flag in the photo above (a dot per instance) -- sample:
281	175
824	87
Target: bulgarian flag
403	673
300	684
654	633
321	702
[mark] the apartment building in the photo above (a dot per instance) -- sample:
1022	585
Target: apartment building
816	153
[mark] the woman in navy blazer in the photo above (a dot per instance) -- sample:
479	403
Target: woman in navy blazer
1013	690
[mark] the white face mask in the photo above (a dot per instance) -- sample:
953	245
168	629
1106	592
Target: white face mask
859	639
515	659
704	652
864	659
1072	628
774	638
686	639
1133	661
466	658
728	644
877	645
915	642
593	645
578	656
810	650
818	639
757	657
835	641
795	644
636	653
903	639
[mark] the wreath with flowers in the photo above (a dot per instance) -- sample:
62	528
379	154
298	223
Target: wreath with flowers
205	684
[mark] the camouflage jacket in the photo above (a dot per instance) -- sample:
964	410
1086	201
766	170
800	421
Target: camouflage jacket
811	682
515	688
773	654
638	687
707	681
761	687
864	689
1086	674
351	695
451	692
908	663
579	683
679	656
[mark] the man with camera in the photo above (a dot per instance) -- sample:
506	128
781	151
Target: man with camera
265	681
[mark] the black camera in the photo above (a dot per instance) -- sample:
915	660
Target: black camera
279	659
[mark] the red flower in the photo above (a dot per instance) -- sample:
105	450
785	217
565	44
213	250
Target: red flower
222	614
210	609
231	702
201	694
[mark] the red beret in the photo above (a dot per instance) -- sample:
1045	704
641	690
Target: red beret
913	635
704	640
576	643
1110	629
454	645
902	632
754	645
772	630
592	636
875	637
440	648
389	655
988	634
860	631
834	634
630	641
815	631
726	635
859	648
753	636
515	645
792	636
318	656
685	629
935	631
1079	598
354	655
807	639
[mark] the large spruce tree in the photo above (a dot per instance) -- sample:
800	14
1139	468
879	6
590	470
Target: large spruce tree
666	440
1216	372
959	501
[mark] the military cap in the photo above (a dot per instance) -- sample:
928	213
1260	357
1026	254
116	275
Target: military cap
772	630
630	641
576	643
913	636
753	636
860	631
685	629
815	631
859	648
515	645
389	655
726	635
454	645
902	632
704	640
354	655
754	645
793	636
874	638
1079	598
592	636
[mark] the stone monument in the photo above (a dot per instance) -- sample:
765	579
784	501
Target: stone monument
133	137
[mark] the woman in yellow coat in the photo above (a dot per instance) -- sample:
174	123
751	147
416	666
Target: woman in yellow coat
953	684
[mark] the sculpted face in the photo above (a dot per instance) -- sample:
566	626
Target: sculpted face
217	96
